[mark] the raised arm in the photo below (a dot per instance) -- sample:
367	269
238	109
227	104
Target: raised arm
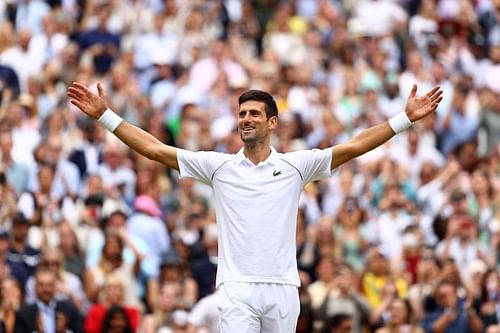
416	109
139	140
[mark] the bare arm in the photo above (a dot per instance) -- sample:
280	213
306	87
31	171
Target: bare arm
416	109
137	139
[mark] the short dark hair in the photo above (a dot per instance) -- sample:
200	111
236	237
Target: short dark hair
260	96
107	321
335	321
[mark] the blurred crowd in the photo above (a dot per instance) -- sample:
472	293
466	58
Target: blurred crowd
96	238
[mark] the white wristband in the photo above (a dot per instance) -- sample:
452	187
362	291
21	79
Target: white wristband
400	122
110	120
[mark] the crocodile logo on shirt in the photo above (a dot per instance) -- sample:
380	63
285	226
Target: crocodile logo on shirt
276	173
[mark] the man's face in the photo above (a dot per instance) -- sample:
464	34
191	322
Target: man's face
253	124
447	296
19	231
45	286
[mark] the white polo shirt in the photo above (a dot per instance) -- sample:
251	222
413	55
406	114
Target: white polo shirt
256	208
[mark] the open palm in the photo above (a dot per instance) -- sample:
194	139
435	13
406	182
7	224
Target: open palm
93	105
417	107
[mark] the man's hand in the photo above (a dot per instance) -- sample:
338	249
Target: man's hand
93	105
419	107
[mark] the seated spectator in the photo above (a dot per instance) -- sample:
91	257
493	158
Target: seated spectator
169	310
490	300
71	251
399	318
16	173
22	258
47	314
111	299
460	244
453	314
343	298
351	234
11	297
173	269
146	224
377	275
68	285
116	321
427	273
112	263
339	323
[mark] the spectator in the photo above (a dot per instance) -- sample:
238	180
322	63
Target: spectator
339	323
460	244
47	314
16	173
344	298
399	318
111	263
101	44
146	225
166	303
351	234
112	298
377	283
12	300
453	314
22	258
116	321
490	288
173	270
68	286
73	260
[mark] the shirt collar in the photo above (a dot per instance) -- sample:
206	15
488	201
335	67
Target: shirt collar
51	306
272	159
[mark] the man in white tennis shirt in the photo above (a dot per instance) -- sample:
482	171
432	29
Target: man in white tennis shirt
256	197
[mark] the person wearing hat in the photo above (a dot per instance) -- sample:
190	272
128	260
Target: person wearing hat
256	194
21	258
146	225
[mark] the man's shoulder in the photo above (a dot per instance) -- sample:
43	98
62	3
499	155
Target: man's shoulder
303	154
203	154
27	311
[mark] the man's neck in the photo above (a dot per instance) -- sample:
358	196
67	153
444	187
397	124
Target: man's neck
257	152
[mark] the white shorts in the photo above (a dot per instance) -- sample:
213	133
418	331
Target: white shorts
258	307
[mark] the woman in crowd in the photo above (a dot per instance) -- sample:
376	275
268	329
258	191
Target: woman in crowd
11	300
168	302
350	234
112	263
111	303
399	319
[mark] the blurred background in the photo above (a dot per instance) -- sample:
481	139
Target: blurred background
404	237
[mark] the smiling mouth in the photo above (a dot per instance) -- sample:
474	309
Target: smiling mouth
247	129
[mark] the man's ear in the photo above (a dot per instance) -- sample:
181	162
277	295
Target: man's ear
273	122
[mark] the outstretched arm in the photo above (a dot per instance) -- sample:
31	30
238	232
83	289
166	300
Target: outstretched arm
139	140
416	109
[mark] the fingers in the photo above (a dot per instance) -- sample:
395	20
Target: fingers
100	89
76	103
413	92
435	93
435	104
